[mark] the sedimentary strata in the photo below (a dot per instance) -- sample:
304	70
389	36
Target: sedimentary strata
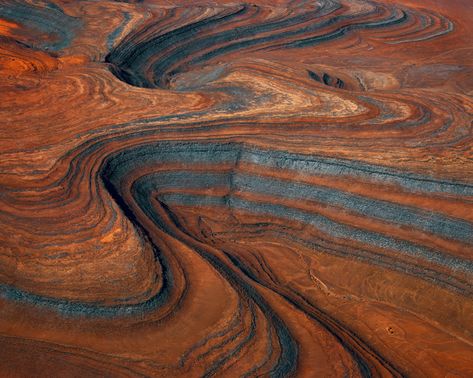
236	189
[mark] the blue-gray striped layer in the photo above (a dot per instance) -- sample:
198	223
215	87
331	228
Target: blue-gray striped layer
49	19
150	60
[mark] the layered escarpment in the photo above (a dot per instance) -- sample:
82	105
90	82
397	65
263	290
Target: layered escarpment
229	189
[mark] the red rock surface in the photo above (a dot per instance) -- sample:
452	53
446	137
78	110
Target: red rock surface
215	188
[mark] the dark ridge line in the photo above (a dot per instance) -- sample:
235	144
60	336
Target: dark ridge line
98	309
127	62
126	74
289	348
111	160
431	222
362	364
225	36
360	361
356	165
378	240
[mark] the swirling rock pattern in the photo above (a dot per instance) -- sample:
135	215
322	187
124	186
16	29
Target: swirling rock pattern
217	188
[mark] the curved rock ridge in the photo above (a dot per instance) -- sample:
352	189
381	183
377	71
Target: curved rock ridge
152	55
228	189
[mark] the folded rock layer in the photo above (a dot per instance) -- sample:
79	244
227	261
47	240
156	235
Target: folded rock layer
224	189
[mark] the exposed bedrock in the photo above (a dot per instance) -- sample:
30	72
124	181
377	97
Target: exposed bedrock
227	189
